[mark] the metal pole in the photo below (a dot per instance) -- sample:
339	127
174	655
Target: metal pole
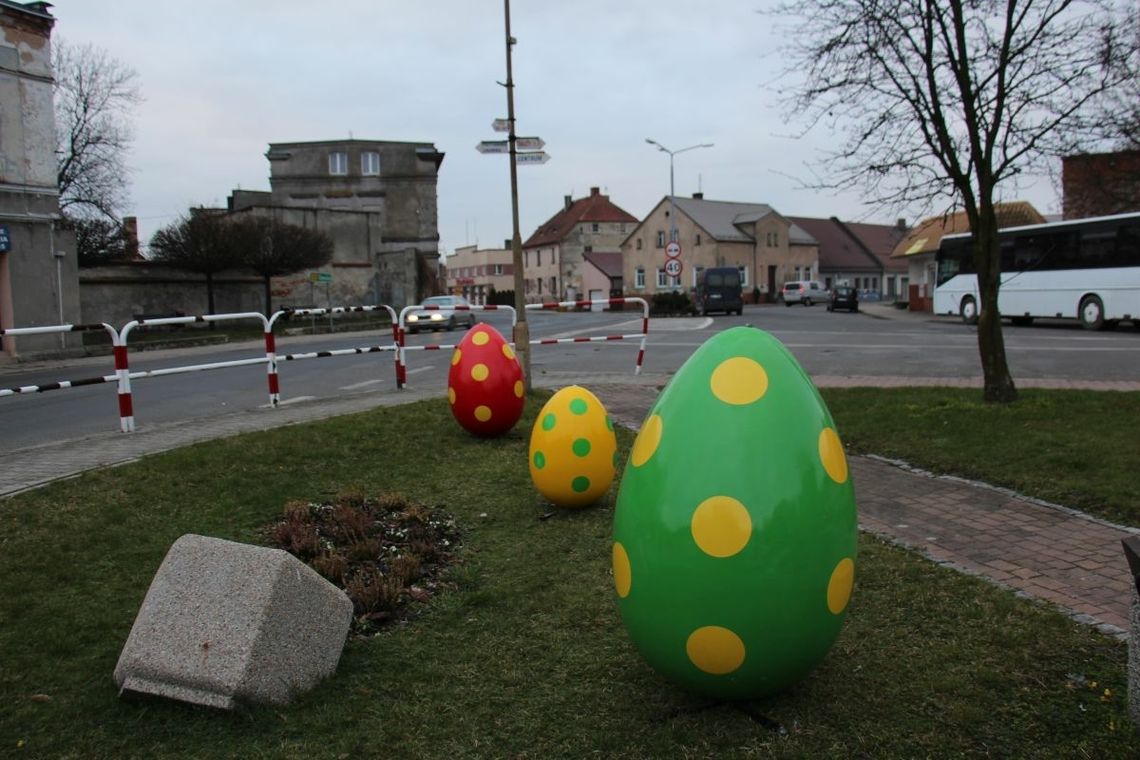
521	332
672	192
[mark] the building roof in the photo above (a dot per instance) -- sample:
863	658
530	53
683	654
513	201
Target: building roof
721	219
927	235
593	208
609	264
839	248
880	240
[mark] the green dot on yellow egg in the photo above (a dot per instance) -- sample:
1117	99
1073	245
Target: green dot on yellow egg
548	422
579	406
580	447
539	460
580	484
715	650
739	381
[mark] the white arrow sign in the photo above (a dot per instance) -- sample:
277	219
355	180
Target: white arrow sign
529	143
493	146
537	157
501	125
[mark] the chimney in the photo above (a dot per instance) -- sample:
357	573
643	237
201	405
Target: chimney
595	191
507	244
901	224
698	196
567	200
131	235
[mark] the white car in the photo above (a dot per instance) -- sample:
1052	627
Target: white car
439	313
806	292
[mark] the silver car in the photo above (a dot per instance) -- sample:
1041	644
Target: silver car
441	315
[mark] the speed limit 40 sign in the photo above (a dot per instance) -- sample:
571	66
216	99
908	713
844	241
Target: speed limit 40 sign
673	267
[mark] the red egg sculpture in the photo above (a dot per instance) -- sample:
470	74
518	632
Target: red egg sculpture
485	383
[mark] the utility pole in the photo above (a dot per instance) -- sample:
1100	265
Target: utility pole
522	331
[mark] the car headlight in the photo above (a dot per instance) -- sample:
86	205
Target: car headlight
413	318
436	317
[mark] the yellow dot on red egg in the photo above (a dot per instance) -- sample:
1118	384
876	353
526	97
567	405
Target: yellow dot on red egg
508	352
715	650
647	440
739	381
480	338
482	413
832	456
721	526
479	372
840	585
451	395
519	388
455	357
623	572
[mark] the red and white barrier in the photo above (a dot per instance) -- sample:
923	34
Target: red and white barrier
621	301
401	356
271	344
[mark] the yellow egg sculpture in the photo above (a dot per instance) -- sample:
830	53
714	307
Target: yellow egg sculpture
573	449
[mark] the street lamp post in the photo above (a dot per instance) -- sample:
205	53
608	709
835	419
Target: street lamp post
672	208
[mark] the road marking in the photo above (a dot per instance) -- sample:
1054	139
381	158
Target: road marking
356	386
417	370
291	400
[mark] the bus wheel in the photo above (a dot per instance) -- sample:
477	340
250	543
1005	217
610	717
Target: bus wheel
1092	313
969	310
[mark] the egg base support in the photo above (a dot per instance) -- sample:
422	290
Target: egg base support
757	717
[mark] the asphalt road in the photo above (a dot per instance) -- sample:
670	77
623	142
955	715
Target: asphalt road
866	344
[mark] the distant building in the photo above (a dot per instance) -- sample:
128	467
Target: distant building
38	268
768	248
1100	184
858	254
376	200
920	245
475	272
554	257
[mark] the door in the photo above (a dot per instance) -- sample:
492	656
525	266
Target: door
597	295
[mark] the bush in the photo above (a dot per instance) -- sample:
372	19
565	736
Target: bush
501	297
671	304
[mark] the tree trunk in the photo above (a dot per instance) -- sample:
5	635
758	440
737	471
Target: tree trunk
268	297
999	387
210	297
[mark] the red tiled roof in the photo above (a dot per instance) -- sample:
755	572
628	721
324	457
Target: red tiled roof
608	264
926	237
593	208
838	249
880	240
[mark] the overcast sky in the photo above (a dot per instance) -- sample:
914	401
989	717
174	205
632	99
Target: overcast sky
593	78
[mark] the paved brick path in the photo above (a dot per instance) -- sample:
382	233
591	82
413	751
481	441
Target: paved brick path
1040	550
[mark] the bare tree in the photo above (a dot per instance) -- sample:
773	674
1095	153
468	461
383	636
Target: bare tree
273	248
199	242
953	100
94	98
99	241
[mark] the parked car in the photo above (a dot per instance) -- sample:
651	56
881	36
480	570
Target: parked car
806	292
719	290
843	297
442	315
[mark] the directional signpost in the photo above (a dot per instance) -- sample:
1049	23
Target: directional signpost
529	143
494	146
501	125
533	157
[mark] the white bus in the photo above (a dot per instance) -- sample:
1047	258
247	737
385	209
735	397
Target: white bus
1086	269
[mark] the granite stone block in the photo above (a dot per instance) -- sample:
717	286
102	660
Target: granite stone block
225	623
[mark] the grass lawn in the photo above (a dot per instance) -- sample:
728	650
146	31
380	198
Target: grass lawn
527	656
1075	448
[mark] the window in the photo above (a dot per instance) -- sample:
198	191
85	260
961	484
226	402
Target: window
553	285
638	244
662	278
538	282
589	249
621	228
660	238
698	238
697	272
370	163
639	277
338	162
675	235
498	269
595	227
743	276
526	258
538	262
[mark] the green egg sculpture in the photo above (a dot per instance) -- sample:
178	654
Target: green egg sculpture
735	527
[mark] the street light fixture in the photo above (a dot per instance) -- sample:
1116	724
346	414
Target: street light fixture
672	208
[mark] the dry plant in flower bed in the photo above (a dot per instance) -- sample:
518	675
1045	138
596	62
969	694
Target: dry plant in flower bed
384	552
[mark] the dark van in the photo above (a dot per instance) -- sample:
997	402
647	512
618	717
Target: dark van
719	290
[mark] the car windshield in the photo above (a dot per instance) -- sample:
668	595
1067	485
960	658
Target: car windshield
440	301
792	286
842	291
722	279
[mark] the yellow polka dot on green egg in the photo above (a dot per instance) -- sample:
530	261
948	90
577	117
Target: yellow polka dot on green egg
721	526
739	381
508	351
647	440
451	395
482	413
832	456
715	650
479	372
840	585
623	573
480	338
456	356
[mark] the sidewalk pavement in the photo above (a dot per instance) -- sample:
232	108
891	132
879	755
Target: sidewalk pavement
1039	550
